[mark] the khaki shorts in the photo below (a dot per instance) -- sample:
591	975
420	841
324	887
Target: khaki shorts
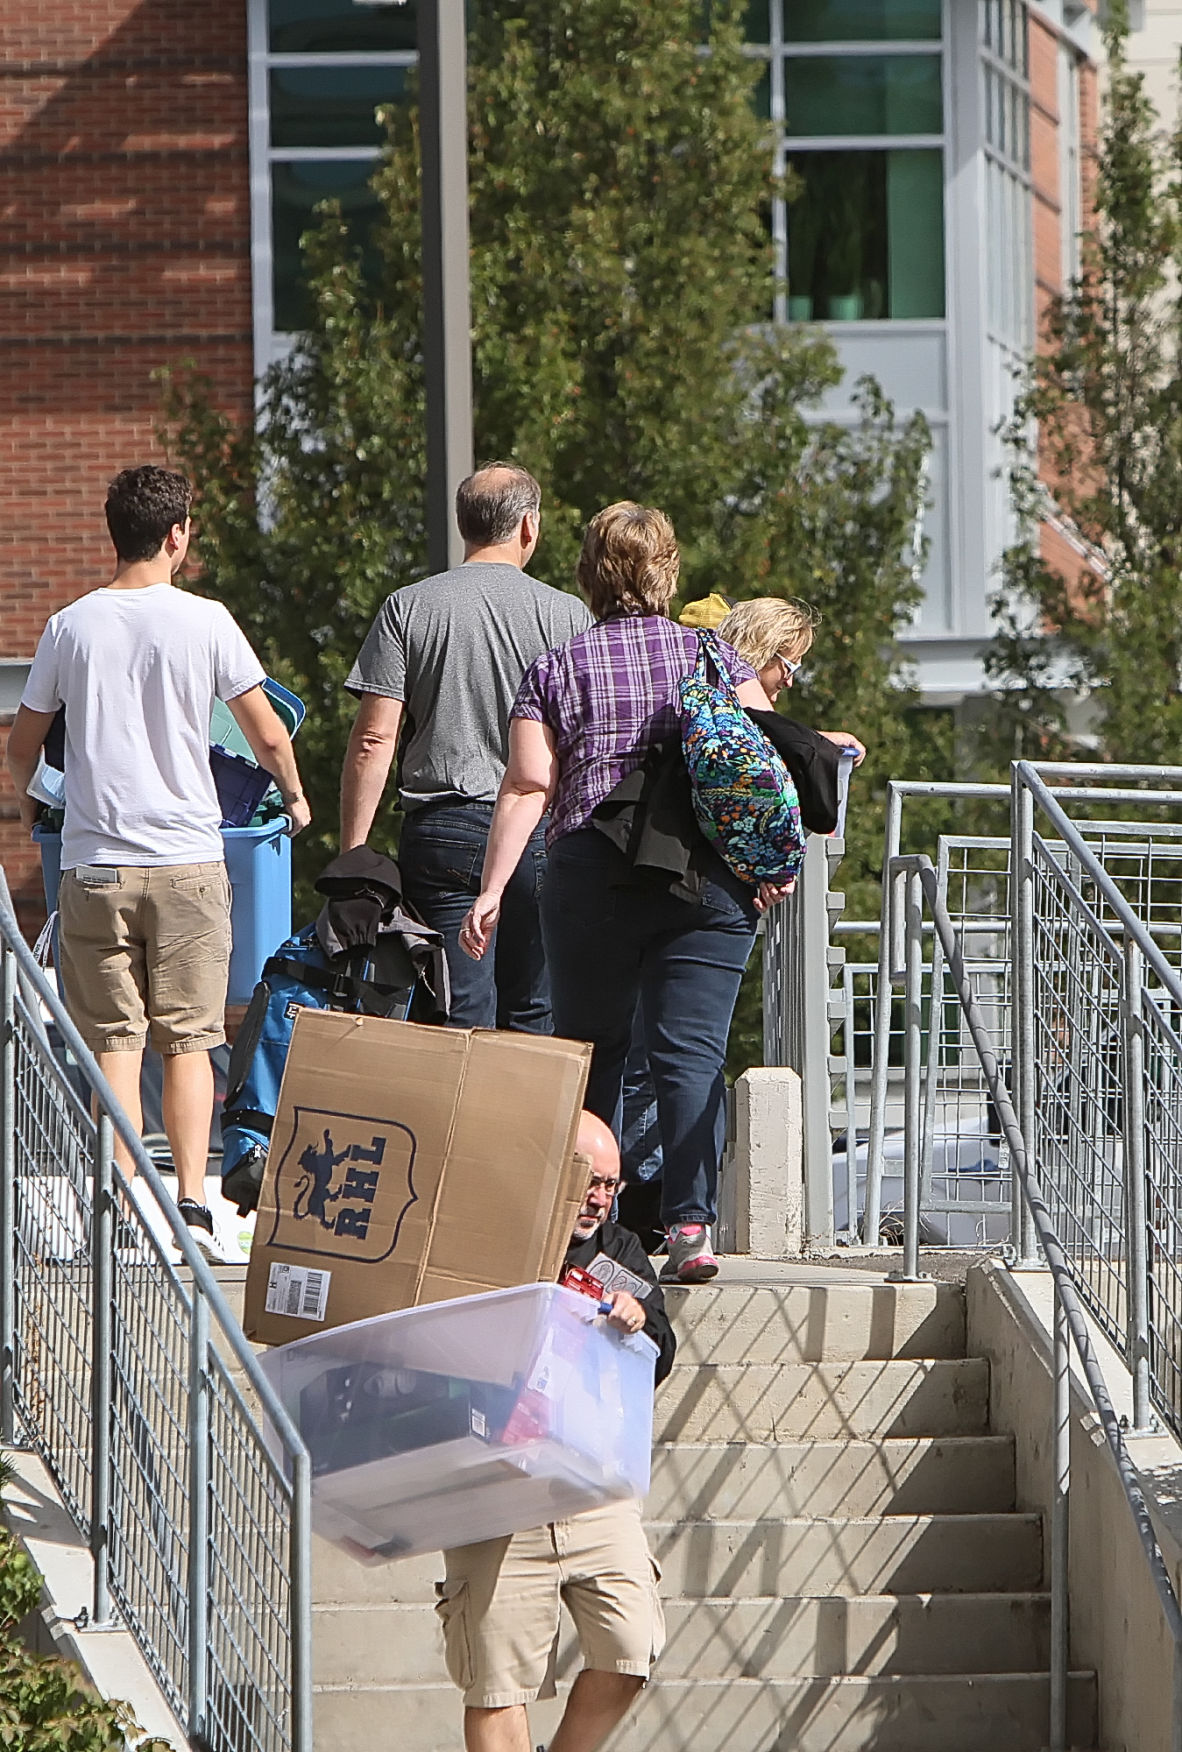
500	1605
146	953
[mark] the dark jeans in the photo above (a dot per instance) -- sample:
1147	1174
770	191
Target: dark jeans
441	856
608	946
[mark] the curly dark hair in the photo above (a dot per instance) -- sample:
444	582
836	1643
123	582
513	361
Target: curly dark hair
143	504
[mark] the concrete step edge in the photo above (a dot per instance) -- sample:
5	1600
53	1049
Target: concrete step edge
842	1681
869	1444
1000	1598
1027	1516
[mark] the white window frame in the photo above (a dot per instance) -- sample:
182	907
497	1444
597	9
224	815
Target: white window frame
271	344
776	51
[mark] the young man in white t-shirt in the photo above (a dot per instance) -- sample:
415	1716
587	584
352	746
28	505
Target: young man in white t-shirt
144	898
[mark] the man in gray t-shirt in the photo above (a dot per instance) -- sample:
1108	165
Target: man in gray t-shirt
447	654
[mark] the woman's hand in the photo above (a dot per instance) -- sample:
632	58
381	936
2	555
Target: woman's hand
771	895
846	739
476	932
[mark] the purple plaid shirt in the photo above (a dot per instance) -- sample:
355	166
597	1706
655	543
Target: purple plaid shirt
609	695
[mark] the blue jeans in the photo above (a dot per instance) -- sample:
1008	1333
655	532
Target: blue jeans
441	856
609	945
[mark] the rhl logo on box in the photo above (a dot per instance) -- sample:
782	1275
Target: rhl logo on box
337	1170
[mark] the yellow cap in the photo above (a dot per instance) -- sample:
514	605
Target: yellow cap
706	611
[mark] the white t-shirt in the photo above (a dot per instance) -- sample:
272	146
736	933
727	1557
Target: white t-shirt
138	671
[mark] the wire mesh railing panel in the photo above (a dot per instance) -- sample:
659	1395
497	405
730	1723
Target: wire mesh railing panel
199	1541
149	1450
54	1144
1144	862
1162	1082
249	1672
1078	1146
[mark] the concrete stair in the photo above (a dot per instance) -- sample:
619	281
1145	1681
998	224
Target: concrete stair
844	1568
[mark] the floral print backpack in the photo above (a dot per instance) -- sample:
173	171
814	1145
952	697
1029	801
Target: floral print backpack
744	797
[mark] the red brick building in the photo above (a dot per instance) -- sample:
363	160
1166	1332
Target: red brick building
161	157
126	245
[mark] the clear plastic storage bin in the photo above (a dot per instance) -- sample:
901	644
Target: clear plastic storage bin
465	1420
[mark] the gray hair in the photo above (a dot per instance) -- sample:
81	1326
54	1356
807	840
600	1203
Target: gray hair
491	503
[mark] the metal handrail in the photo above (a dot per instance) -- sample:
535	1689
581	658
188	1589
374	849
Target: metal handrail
1070	1320
24	980
1067	776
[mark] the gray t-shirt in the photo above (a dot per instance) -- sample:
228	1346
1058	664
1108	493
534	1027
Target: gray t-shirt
455	647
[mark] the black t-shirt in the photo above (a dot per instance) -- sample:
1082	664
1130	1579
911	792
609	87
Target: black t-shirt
622	1246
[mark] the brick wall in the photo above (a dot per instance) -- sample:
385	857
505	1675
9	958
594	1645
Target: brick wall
126	246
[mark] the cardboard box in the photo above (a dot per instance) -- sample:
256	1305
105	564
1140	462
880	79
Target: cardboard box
412	1165
467	1420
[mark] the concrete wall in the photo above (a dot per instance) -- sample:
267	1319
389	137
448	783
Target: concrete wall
1117	1626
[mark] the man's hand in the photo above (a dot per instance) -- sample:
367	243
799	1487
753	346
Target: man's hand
627	1313
299	813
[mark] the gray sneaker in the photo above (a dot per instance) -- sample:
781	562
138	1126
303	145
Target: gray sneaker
691	1258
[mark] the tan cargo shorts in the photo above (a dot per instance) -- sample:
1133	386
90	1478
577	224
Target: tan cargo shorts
145	953
500	1602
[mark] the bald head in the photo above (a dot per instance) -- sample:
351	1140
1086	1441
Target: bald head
597	1149
495	505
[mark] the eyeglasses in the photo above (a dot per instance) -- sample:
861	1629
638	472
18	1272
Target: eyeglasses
604	1183
789	665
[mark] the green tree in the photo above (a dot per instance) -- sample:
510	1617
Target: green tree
622	348
46	1704
1106	395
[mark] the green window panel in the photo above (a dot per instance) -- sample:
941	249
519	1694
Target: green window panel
296	190
331	106
862	21
866	235
324	27
861	94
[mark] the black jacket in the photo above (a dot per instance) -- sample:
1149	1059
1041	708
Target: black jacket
813	761
622	1245
649	816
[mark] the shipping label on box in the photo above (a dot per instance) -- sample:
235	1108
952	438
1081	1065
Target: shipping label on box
409	1165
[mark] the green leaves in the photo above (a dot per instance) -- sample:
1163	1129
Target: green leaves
1106	582
621	299
45	1703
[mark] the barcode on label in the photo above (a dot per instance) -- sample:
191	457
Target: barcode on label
298	1291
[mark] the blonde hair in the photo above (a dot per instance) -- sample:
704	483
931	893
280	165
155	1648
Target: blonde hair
767	625
629	563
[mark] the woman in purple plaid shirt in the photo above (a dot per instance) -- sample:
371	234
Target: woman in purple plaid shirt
586	715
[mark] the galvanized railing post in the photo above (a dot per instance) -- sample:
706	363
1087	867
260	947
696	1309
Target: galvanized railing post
1022	1031
102	1255
912	1070
1060	1526
880	1049
1136	1226
302	1736
8	1237
198	1573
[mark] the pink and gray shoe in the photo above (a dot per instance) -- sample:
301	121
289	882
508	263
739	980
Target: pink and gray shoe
691	1258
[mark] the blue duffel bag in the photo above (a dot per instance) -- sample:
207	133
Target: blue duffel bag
298	976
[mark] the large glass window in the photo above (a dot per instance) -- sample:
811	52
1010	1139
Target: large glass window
861	21
857	88
321	69
866	237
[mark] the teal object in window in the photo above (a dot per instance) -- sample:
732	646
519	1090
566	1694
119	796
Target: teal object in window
866	235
